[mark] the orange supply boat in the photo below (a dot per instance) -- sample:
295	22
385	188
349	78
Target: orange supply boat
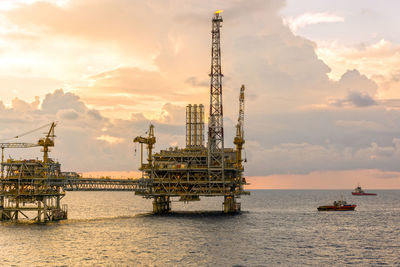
340	205
359	192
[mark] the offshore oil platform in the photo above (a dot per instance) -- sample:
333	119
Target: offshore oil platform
33	189
25	185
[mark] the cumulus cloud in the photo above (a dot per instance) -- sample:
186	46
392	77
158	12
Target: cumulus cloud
134	70
358	88
353	80
19	104
60	100
367	58
86	141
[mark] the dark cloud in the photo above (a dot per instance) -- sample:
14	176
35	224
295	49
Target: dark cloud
356	99
361	99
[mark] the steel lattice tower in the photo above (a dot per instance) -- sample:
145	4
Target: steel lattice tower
215	124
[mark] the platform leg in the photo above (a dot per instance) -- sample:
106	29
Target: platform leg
161	204
45	211
39	213
16	212
1	208
230	205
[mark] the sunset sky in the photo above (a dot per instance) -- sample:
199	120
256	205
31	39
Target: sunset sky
322	83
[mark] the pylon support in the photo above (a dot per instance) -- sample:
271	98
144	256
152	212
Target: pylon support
230	205
161	204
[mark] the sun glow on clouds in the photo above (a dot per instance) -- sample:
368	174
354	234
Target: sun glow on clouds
310	19
110	139
11	4
382	55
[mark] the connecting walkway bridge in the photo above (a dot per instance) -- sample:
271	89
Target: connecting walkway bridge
100	184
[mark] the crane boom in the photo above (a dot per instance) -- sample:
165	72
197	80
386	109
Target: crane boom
241	111
26	133
17	145
12	145
239	138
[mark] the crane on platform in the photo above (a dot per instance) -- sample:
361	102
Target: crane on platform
239	138
47	142
150	140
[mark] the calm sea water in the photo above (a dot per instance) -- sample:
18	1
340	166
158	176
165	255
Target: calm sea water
277	227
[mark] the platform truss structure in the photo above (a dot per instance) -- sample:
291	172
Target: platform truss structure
26	192
184	173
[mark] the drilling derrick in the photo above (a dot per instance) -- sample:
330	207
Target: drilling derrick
197	170
216	124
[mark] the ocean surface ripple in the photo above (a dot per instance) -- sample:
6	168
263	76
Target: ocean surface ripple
276	227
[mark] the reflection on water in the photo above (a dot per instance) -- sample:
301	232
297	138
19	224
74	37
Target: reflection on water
277	227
